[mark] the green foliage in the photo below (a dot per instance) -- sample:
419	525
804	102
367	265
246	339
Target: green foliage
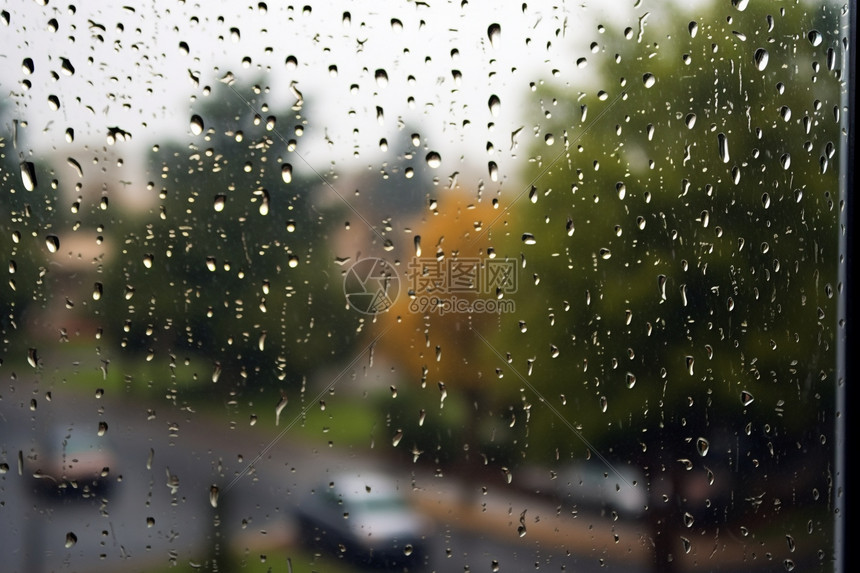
232	263
666	279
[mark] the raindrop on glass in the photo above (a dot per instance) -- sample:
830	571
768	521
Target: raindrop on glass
196	124
28	175
381	77
71	539
495	105
52	242
723	147
815	37
494	33
760	58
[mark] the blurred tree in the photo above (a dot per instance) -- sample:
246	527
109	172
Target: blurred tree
686	245
451	396
232	265
24	190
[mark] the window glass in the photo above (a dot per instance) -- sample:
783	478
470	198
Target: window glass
422	286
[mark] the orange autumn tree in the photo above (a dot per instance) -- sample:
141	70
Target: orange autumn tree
454	283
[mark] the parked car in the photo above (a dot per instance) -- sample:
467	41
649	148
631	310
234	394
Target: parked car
595	486
74	457
366	519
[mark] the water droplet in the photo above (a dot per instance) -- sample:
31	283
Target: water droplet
631	380
529	239
693	27
103	427
690	120
605	253
760	59
723	147
398	435
815	37
581	62
494	33
690	361
287	172
746	398
604	404
788	564
98	289
196	124
282	403
649	80
434	160
785	160
33	357
293	261
220	201
67	67
52	242
493	170
381	77
495	105
148	259
27	66
28	175
213	495
71	539
702	446
661	286
688	519
687	545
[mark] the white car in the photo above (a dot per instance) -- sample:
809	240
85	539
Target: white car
73	457
365	518
594	485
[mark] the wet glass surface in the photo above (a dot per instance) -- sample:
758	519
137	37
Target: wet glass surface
565	280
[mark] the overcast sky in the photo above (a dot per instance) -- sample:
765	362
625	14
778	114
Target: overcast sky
144	68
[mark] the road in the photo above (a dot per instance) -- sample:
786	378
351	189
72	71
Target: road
158	509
